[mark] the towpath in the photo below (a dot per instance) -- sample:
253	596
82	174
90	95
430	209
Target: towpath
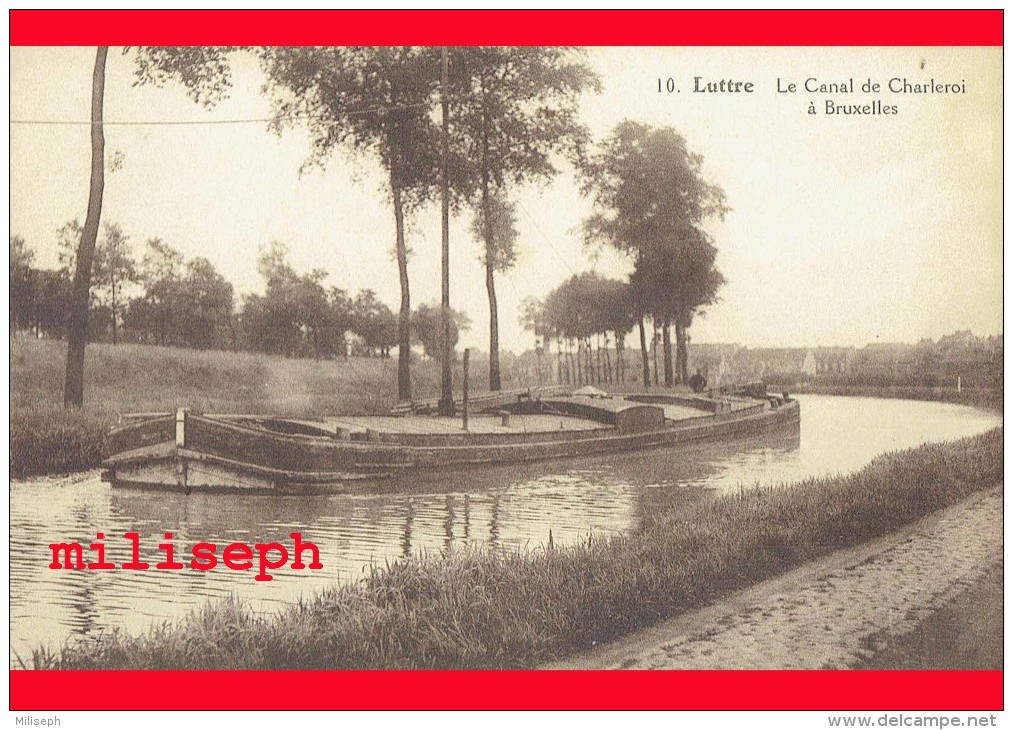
834	613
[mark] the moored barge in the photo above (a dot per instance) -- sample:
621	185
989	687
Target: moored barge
190	451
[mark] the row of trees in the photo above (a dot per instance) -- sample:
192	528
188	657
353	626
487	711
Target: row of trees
511	110
163	299
650	203
509	115
584	316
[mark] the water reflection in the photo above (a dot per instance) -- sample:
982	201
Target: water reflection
510	508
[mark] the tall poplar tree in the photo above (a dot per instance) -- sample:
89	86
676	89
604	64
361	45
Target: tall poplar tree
204	70
375	101
650	200
77	321
515	111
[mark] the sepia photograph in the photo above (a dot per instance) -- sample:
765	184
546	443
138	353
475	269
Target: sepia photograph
540	357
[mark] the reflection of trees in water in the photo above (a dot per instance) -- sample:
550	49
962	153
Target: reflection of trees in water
80	594
224	517
455	516
448	525
82	599
406	537
494	520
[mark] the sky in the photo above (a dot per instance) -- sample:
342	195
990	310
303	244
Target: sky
844	229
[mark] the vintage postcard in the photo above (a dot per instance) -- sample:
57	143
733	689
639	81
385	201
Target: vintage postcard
566	351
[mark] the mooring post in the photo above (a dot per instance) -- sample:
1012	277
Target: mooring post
180	428
464	391
181	475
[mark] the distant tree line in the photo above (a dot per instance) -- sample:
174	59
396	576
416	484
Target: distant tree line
478	122
164	299
976	361
587	317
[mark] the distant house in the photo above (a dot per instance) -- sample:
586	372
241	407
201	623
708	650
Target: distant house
886	361
976	361
833	360
715	361
788	364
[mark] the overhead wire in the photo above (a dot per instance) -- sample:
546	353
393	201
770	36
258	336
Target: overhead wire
289	118
325	118
544	236
207	122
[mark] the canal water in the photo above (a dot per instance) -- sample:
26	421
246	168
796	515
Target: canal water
511	508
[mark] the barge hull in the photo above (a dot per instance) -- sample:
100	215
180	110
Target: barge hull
208	454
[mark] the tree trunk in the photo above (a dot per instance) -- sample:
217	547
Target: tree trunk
490	287
645	364
598	354
539	355
490	282
620	376
116	339
559	362
404	377
682	352
666	336
77	323
568	364
654	349
609	374
446	380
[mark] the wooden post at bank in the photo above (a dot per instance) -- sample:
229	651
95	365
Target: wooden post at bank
181	476
464	391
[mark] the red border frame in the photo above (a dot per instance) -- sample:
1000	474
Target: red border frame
528	27
668	690
539	690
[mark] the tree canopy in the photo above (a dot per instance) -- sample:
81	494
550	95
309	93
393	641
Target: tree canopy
427	327
650	202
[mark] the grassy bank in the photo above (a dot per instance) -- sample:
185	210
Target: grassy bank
490	609
45	439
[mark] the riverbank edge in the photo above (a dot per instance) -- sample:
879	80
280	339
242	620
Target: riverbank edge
488	609
986	399
50	441
938	641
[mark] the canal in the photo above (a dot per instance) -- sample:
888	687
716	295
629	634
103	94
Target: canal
511	508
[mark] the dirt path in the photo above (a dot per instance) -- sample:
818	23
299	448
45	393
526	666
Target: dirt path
838	612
